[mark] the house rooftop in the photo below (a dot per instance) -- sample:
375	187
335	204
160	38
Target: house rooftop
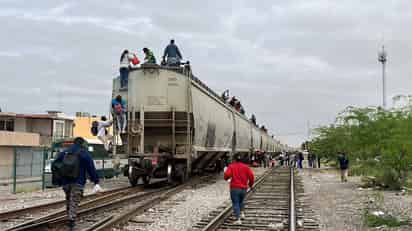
49	115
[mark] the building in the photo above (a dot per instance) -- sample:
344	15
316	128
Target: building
51	126
25	132
83	123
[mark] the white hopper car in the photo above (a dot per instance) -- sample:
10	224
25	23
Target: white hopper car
178	126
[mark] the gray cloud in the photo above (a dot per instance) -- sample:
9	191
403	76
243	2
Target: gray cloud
288	61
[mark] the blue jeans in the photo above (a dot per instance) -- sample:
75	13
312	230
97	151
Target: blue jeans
124	77
237	196
121	121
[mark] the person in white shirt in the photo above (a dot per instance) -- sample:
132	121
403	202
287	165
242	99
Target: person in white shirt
125	59
102	132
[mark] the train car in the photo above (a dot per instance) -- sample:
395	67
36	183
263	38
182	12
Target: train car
178	126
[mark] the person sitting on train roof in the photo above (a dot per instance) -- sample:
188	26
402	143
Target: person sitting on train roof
125	59
232	101
253	119
225	95
242	110
238	106
172	54
119	111
263	128
149	57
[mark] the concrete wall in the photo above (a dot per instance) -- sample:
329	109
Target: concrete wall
41	126
6	162
68	128
20	125
19	139
29	162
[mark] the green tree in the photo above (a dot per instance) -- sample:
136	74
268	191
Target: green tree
377	140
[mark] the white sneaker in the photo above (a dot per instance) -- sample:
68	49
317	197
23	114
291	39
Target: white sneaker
242	216
237	222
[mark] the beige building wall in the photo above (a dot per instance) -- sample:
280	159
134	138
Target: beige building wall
6	162
19	139
20	125
7	141
42	126
82	126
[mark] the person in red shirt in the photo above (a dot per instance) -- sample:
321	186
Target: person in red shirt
241	177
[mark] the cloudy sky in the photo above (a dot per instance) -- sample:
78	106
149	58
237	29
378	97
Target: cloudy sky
293	63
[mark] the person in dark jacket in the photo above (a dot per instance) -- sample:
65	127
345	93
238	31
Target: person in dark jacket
241	176
300	160
344	166
73	188
172	54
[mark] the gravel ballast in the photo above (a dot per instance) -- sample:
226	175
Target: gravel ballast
185	209
9	201
340	206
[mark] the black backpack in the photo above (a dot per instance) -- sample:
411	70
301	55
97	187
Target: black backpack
68	168
95	128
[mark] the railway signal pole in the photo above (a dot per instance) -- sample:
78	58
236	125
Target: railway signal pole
382	58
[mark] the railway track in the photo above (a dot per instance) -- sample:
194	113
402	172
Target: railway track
128	216
18	215
58	216
274	203
108	212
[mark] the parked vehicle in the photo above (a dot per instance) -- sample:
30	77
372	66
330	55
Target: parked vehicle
106	165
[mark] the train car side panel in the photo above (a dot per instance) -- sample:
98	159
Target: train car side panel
213	123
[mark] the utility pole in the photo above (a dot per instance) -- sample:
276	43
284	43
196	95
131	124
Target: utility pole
382	58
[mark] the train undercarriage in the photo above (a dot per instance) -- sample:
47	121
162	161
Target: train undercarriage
165	167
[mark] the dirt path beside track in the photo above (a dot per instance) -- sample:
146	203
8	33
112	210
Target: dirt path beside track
340	206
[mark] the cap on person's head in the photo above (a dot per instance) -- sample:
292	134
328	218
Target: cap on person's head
79	141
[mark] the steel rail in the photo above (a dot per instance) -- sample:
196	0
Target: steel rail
292	212
221	217
4	216
60	217
124	217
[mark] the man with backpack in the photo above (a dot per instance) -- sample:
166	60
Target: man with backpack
69	171
119	110
99	129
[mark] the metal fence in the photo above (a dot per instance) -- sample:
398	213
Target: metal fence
22	169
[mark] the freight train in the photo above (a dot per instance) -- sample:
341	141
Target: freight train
177	126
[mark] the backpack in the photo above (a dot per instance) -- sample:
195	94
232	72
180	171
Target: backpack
68	168
95	128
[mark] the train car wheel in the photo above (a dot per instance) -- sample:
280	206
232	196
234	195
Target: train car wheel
169	174
133	180
146	180
183	175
